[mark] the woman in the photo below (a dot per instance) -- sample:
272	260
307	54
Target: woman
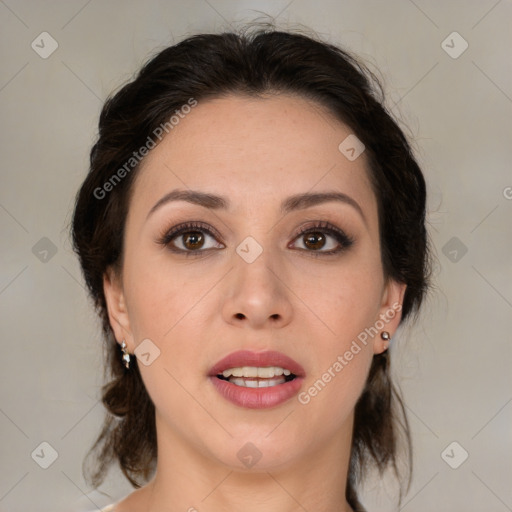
252	231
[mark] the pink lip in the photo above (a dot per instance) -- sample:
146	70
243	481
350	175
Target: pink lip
258	359
257	398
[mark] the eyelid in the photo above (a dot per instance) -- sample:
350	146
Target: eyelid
168	235
344	240
339	234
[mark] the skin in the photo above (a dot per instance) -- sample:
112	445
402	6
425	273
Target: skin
196	310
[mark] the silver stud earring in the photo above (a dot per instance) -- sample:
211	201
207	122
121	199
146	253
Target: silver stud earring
386	337
126	355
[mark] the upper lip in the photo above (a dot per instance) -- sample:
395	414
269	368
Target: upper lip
258	359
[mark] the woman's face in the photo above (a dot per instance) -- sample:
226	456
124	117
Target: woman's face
242	278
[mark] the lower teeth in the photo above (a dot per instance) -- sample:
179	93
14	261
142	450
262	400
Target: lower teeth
256	383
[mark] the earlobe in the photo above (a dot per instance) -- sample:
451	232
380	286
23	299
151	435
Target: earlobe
116	307
390	314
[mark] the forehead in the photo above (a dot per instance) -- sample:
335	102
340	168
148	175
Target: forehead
255	149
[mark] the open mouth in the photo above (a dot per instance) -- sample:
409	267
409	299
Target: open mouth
257	377
258	382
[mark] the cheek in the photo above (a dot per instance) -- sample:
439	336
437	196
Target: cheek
331	394
156	298
347	299
349	305
168	308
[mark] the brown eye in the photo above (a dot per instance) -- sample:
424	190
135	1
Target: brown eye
323	239
190	239
314	240
193	240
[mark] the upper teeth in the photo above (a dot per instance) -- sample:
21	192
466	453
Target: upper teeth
252	371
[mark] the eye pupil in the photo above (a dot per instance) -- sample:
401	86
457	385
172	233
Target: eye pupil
195	238
192	237
315	240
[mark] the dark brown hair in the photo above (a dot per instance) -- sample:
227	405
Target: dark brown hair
250	62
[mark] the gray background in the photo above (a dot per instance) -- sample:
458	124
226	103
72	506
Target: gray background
453	365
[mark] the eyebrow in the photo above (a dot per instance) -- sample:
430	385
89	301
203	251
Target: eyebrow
292	203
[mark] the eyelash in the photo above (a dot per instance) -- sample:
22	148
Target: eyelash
326	227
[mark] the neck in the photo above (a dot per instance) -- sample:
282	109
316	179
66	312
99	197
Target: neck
187	479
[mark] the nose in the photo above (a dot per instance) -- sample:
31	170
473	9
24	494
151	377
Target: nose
256	294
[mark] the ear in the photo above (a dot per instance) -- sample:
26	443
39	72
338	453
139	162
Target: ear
390	313
116	306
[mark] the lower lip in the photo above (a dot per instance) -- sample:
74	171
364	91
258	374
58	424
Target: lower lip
257	398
